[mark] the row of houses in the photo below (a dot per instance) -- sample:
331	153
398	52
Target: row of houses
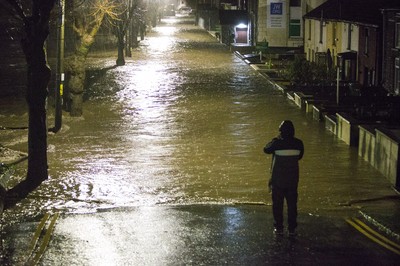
361	37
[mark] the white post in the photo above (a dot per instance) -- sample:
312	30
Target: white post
337	84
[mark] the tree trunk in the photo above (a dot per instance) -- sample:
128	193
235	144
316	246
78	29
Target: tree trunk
76	84
135	32
38	79
128	42
142	30
121	46
76	67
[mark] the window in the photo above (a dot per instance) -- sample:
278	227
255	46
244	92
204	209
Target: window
295	28
309	29
295	19
397	76
321	29
349	29
334	34
366	33
397	37
295	2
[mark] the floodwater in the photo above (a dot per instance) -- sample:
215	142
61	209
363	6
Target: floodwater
183	122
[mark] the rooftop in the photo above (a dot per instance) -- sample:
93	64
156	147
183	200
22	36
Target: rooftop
365	12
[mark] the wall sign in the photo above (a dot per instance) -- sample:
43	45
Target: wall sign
276	14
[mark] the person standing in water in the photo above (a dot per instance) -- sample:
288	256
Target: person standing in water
286	151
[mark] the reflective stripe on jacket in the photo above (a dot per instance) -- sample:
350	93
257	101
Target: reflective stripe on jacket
285	166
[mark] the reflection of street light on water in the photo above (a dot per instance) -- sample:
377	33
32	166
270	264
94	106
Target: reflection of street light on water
163	41
165	30
169	20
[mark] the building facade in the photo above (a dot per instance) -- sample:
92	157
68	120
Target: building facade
280	22
391	50
353	33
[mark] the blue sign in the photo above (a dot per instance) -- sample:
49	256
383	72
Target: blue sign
276	8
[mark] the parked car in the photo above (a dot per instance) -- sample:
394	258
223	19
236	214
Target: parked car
185	10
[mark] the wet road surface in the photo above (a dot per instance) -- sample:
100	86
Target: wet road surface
183	123
196	235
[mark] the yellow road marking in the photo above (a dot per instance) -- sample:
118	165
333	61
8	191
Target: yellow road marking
37	234
374	236
45	240
377	234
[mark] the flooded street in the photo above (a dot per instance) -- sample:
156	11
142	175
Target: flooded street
166	167
184	122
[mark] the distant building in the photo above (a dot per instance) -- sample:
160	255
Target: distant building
391	49
233	20
351	33
280	22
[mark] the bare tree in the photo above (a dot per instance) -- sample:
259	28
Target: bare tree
87	17
34	25
127	26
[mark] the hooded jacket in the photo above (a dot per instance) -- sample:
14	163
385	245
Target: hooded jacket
285	167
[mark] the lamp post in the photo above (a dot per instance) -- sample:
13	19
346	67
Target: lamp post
60	76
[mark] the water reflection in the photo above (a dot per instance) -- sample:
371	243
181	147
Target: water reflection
233	220
184	121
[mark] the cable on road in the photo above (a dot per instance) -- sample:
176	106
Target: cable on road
20	160
41	238
351	202
13	128
373	235
33	196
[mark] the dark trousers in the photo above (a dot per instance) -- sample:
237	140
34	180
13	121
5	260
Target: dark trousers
278	197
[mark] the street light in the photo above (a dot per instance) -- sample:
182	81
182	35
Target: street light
241	26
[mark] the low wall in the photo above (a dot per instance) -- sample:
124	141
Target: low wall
387	154
317	113
347	129
366	143
310	102
300	99
331	123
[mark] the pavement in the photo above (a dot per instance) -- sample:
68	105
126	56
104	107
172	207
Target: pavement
384	214
199	234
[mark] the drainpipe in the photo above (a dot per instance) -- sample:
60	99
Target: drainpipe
60	76
338	85
383	30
